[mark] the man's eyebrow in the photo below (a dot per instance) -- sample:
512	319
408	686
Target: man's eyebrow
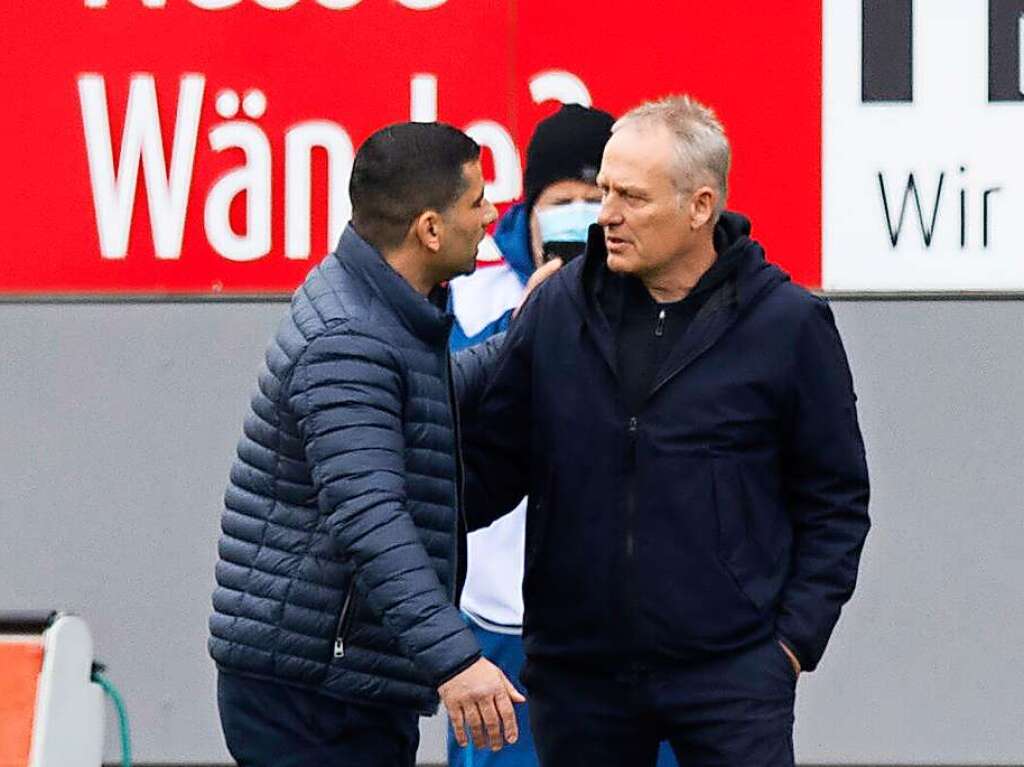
623	188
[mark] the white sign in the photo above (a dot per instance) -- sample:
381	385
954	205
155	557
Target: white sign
923	153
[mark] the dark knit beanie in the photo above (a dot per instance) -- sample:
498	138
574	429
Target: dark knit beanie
567	145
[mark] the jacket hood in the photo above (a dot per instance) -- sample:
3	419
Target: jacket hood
423	316
513	240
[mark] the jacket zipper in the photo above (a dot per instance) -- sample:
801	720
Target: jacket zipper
460	473
630	575
631	462
659	328
344	620
714	334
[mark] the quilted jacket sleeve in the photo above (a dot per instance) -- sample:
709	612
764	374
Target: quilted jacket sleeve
347	393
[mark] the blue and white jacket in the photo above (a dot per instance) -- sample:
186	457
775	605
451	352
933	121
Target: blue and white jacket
482	303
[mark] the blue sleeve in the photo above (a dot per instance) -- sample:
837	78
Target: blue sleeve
459	339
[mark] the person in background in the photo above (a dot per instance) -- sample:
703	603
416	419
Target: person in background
549	226
561	201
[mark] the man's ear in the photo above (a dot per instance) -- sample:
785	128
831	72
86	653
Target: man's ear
702	206
429	229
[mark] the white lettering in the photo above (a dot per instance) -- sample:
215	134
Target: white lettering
214	5
254	104
508	174
422	5
423	99
168	186
113	190
559	85
253	178
299	142
146	3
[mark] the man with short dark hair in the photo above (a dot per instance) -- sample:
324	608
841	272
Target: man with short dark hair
342	549
682	417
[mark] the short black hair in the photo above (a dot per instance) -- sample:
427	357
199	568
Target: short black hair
403	170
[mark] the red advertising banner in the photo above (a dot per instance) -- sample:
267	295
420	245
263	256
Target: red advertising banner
202	147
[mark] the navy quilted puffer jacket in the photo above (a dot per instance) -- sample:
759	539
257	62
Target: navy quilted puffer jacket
340	547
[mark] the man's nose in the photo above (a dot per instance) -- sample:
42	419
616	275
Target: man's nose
492	214
608	215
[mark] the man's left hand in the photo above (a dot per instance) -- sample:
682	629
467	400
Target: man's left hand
792	657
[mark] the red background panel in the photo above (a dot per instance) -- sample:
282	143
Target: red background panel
757	64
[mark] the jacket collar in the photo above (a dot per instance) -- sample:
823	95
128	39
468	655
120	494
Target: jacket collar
753	279
422	316
513	240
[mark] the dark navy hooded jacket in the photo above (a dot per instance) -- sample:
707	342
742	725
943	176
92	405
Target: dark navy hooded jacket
730	507
339	555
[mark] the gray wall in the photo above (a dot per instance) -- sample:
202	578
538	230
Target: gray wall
119	423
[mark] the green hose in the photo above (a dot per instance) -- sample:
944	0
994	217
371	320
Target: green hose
122	715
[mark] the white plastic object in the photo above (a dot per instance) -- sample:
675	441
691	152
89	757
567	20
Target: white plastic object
68	730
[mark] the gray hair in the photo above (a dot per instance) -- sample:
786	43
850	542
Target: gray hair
701	145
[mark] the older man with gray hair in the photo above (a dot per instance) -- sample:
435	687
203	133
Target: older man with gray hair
682	418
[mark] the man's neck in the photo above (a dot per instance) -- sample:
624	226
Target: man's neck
681	275
410	265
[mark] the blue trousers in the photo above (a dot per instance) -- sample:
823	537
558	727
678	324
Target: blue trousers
506	652
729	711
267	724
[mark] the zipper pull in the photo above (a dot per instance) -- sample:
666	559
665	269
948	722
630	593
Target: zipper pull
659	329
632	427
339	648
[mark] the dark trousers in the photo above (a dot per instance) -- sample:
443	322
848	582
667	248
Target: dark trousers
730	711
267	724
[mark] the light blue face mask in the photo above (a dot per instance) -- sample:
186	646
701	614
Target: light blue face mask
567	223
